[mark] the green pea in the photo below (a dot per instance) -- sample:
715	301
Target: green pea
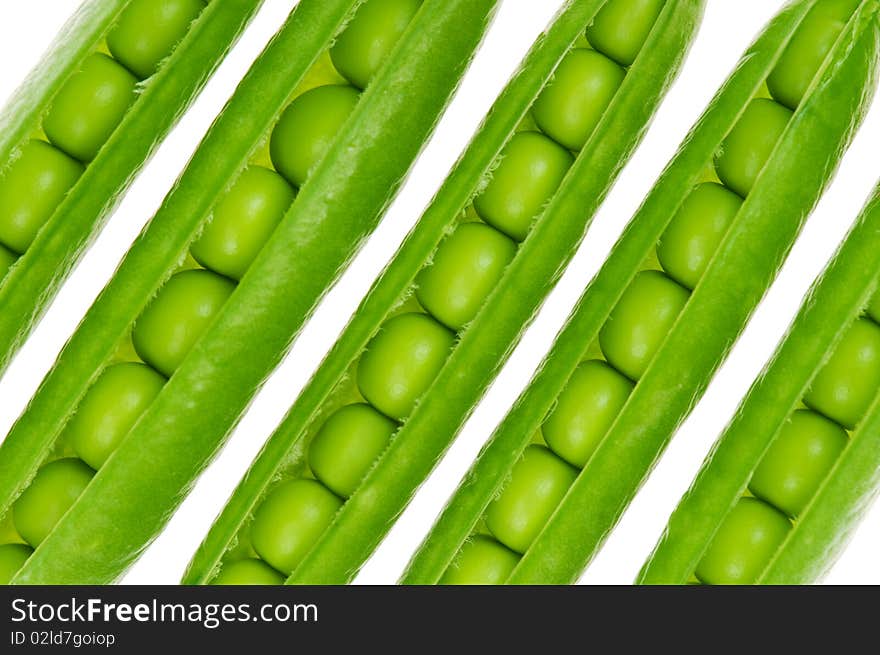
177	317
51	493
362	48
307	128
744	543
12	558
110	408
637	327
873	308
249	571
290	521
89	106
696	231
537	484
465	270
347	446
401	362
750	144
481	561
573	103
797	461
148	30
585	410
7	259
845	386
807	50
621	28
242	222
530	170
30	191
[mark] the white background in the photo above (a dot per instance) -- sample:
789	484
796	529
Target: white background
729	26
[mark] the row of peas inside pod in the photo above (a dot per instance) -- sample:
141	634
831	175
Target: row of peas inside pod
405	356
644	315
84	113
242	221
799	459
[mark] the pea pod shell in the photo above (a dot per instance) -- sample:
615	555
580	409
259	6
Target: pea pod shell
486	477
427	432
829	310
824	528
666	392
451	200
32	282
134	493
767	225
223	152
72	45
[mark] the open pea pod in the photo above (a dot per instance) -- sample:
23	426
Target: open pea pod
655	323
797	461
88	116
293	175
438	324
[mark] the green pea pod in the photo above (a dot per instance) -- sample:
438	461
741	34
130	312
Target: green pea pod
160	100
140	484
743	266
822	527
484	343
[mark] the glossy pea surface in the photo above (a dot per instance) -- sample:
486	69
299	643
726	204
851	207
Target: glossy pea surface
12	558
573	103
465	269
110	408
639	323
798	461
808	49
177	317
845	386
531	168
621	28
242	222
373	32
481	561
89	106
148	30
696	231
402	361
537	484
750	144
290	521
307	128
31	189
347	445
744	544
248	571
585	410
48	497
